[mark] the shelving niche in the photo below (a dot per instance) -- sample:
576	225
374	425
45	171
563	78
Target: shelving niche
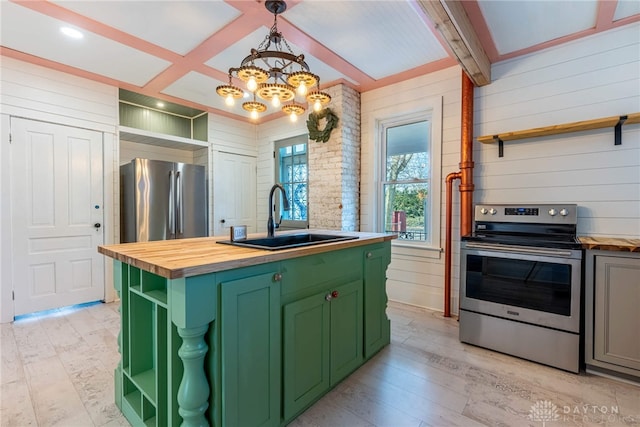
144	368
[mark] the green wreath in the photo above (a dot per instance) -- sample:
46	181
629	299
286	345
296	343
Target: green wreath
323	135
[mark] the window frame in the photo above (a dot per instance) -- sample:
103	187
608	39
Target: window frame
426	109
287	224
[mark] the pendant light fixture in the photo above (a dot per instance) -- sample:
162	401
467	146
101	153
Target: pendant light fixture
273	73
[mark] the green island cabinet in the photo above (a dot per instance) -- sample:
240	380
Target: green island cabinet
249	346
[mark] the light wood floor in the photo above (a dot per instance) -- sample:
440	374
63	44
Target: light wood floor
58	370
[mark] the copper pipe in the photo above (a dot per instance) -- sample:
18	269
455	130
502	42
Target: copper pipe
447	252
466	186
466	157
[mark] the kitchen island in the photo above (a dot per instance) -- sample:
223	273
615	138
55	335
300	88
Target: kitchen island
232	336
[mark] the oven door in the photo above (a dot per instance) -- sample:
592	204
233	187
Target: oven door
539	286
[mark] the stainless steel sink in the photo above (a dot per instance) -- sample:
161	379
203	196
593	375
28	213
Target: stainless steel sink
287	241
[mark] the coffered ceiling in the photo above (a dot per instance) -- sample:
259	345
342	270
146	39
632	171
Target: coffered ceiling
180	51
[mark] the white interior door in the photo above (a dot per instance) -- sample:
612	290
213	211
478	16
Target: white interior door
234	192
56	215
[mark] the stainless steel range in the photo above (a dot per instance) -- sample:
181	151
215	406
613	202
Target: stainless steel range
521	283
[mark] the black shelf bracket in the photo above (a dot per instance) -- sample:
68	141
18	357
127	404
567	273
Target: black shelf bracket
617	130
496	138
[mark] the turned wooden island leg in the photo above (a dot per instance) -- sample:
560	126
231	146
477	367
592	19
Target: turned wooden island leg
192	303
193	394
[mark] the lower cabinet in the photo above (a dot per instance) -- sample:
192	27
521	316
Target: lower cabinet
322	343
612	318
250	356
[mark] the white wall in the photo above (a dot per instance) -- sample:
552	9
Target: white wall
38	93
415	276
590	78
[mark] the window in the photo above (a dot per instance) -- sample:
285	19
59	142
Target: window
292	172
408	175
405	184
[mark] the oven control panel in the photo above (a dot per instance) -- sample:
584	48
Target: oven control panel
522	211
545	213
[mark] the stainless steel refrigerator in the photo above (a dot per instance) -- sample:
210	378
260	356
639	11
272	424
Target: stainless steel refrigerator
162	200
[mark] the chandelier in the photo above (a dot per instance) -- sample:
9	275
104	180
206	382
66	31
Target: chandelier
274	74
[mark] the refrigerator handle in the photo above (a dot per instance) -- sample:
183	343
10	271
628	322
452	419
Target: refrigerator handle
172	207
180	204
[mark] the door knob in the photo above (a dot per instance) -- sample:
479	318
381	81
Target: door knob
97	225
222	221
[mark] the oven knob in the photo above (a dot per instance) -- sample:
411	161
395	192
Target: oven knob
564	212
552	212
493	211
483	211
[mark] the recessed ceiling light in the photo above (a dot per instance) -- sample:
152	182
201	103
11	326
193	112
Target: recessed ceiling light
71	32
160	104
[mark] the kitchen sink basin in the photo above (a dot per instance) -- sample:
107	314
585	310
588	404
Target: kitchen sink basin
288	241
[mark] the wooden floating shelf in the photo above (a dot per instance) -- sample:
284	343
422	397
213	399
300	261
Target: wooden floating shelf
614	122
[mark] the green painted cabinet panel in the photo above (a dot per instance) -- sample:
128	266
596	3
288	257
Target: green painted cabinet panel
306	352
250	331
322	343
346	330
376	323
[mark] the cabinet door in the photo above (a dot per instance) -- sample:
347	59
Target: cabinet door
376	323
250	328
616	318
346	330
306	352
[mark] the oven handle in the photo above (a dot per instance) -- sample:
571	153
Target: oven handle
531	251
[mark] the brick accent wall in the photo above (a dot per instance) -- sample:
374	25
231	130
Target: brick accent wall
334	167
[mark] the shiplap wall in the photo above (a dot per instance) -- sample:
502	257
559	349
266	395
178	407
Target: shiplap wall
38	93
589	78
415	276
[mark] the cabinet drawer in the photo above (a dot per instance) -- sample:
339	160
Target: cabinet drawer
304	273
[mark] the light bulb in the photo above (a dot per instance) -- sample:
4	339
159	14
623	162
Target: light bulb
302	89
293	117
275	101
317	106
229	100
252	84
254	114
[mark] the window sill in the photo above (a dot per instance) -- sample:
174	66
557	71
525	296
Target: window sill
400	247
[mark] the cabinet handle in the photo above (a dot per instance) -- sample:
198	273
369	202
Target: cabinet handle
328	297
277	277
369	254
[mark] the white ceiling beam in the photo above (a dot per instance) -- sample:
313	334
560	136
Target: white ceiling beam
451	20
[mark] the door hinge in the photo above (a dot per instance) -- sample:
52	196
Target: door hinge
13	295
10	138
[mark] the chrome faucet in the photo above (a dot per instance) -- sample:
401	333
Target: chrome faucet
271	225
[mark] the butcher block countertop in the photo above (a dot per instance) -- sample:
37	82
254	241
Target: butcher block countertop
610	243
179	258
